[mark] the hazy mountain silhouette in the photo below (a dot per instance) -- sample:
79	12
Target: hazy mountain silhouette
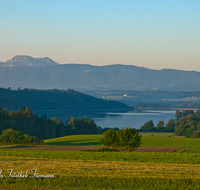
87	77
24	60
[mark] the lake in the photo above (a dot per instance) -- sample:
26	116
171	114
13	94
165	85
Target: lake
134	119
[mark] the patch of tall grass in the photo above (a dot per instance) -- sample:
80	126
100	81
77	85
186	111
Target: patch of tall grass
108	183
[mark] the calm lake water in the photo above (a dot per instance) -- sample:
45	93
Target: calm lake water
134	119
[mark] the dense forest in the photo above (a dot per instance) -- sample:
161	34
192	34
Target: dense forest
45	128
69	100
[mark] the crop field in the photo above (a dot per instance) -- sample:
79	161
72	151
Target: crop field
104	170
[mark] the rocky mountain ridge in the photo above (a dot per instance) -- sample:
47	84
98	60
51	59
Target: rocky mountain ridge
25	60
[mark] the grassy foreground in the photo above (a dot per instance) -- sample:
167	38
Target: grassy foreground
106	170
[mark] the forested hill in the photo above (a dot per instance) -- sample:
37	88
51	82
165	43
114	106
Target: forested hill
55	100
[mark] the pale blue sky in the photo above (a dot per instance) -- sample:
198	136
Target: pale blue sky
152	33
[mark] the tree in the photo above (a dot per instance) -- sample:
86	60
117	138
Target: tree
184	113
70	121
129	139
148	126
56	119
110	139
178	115
160	125
85	126
126	138
28	113
11	136
170	126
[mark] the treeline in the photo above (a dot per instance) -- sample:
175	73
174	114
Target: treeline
45	128
165	104
187	123
161	127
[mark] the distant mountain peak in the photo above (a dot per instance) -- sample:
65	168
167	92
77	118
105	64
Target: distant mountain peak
25	60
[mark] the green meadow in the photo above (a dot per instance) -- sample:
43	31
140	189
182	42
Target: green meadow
75	140
106	170
148	140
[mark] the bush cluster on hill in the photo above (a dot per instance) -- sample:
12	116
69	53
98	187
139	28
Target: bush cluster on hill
10	136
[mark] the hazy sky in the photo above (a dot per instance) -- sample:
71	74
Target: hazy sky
152	33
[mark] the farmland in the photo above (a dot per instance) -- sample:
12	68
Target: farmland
89	169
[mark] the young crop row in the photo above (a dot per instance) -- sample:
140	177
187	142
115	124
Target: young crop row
153	157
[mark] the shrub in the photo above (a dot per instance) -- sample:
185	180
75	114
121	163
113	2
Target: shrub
126	139
10	136
110	139
129	139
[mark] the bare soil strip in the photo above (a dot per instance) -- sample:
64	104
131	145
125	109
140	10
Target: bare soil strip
93	148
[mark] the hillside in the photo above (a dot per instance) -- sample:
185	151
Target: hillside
69	100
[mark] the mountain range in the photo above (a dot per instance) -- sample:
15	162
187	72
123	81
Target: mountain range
44	73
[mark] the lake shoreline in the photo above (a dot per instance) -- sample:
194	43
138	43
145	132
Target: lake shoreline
145	108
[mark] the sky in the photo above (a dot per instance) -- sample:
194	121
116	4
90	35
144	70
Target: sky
155	34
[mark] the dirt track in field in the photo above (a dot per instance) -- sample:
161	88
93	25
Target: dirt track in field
93	148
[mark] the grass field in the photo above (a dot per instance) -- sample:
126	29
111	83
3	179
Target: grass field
75	140
157	140
106	170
